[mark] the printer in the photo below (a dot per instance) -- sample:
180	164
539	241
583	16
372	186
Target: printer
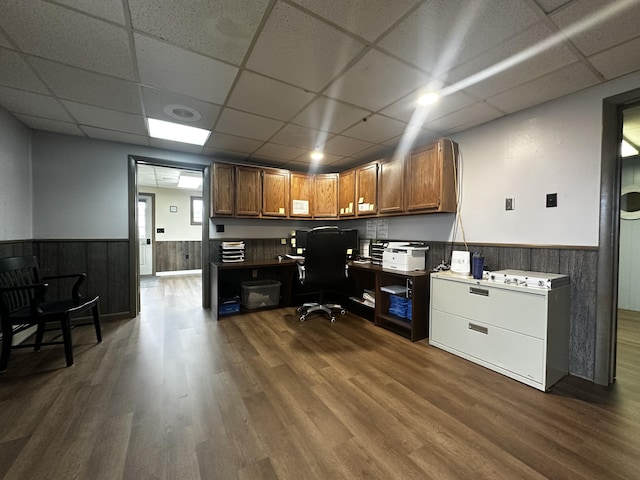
405	256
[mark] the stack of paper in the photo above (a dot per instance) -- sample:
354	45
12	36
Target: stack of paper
232	252
368	297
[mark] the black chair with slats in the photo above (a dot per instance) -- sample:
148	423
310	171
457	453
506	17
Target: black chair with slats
23	304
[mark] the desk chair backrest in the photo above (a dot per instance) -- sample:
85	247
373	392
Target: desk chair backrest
325	257
17	272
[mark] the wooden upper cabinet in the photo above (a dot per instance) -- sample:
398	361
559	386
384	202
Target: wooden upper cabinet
248	191
347	192
325	201
391	185
222	190
275	193
301	195
430	178
366	189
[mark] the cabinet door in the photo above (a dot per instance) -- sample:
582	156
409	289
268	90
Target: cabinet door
275	192
391	185
325	203
430	178
423	179
249	192
347	192
301	195
366	189
222	190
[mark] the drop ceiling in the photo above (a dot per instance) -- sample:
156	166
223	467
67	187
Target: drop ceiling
274	79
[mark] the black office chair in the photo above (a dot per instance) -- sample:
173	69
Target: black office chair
325	267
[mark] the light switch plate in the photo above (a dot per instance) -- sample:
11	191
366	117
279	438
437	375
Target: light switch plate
510	204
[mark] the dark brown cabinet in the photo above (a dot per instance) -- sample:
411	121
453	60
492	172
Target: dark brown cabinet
391	185
248	191
301	195
430	178
366	189
223	190
347	194
275	193
325	200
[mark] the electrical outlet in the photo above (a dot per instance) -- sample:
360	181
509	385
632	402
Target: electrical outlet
552	200
510	204
254	273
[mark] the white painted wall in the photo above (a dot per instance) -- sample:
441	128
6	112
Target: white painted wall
177	226
16	220
628	285
81	185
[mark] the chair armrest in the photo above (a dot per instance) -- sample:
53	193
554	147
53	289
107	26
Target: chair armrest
75	291
300	272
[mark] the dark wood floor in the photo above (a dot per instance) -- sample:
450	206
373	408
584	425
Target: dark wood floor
173	394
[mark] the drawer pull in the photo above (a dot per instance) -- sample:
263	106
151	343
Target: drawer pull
478	328
479	291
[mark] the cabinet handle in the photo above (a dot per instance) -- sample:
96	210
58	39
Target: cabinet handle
478	328
479	291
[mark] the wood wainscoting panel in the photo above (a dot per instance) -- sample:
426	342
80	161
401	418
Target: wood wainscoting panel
172	256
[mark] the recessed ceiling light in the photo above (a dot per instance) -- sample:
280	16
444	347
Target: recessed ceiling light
317	155
627	150
428	99
182	113
177	132
189	181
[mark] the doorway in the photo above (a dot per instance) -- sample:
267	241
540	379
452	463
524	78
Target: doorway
146	222
154	242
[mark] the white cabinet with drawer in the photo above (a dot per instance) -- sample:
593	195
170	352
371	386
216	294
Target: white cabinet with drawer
521	332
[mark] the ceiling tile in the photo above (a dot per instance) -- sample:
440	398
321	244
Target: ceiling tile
311	167
241	124
376	129
39	123
87	87
54	32
330	115
14	72
156	100
507	65
176	146
223	154
257	94
282	152
366	18
619	60
108	9
442	34
406	108
19	101
301	137
562	82
620	26
300	49
4	42
551	5
103	118
271	161
345	163
171	68
412	139
222	29
113	136
345	146
477	113
376	81
221	141
373	153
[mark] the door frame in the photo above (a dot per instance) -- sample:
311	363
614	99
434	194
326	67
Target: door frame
134	266
153	228
609	237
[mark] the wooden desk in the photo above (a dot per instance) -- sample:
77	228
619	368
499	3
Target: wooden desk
374	277
227	277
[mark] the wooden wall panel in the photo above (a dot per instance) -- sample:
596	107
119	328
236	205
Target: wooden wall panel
16	248
171	256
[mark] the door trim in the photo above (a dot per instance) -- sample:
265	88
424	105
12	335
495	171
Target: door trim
134	267
153	229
